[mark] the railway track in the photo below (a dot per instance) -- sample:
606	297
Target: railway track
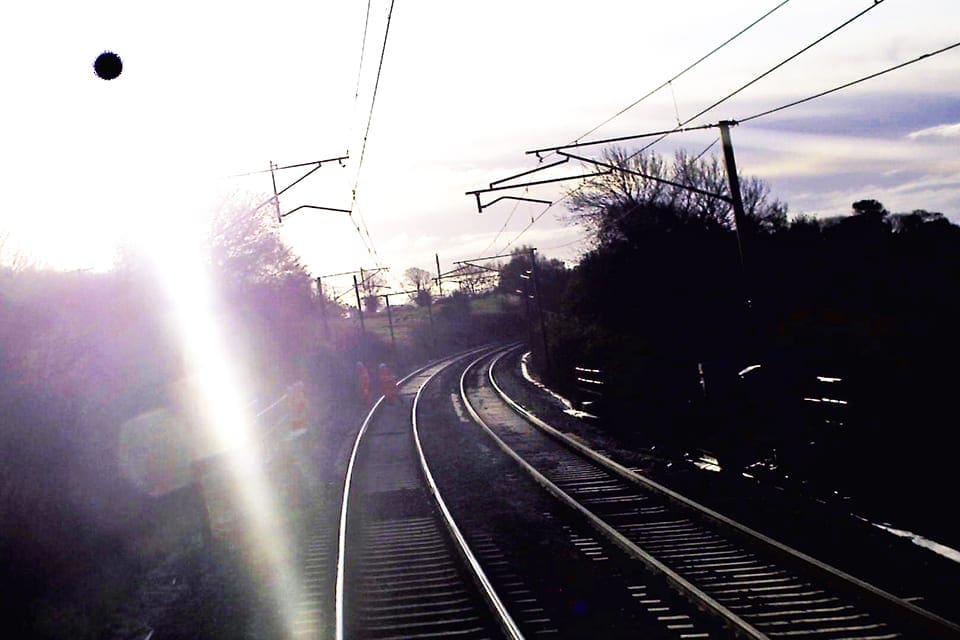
412	563
756	586
403	569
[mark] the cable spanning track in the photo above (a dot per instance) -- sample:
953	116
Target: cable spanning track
689	67
363	48
849	21
850	84
503	227
371	248
709	108
633	104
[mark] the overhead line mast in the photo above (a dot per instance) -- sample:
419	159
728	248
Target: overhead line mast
682	127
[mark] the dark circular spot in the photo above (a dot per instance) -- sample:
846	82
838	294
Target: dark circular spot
108	65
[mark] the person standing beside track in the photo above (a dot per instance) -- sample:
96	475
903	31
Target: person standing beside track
363	383
388	384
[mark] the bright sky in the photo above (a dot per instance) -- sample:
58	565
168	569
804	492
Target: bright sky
212	89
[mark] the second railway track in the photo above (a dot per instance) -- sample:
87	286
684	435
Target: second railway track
761	588
443	535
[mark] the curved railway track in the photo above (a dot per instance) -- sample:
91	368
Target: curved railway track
442	535
758	587
407	572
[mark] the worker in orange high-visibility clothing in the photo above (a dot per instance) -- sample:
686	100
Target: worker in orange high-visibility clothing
363	382
298	407
388	384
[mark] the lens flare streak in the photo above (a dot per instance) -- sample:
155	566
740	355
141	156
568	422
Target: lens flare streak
227	421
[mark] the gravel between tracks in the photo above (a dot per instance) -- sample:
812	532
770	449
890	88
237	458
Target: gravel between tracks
826	531
585	592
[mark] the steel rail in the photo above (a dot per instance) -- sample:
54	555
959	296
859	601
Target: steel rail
504	618
740	625
929	619
344	504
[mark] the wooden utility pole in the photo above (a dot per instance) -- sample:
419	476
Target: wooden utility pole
276	196
439	276
323	308
736	199
536	293
526	305
393	340
433	333
356	290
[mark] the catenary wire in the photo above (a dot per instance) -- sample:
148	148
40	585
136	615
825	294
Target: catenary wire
730	95
847	22
363	47
717	103
636	102
814	97
689	67
706	149
850	84
363	148
504	226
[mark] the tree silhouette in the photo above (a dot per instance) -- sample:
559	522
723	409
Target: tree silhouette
420	280
621	205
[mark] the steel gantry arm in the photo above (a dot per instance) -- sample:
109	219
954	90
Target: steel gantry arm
480	206
497	185
590	143
614	167
315	164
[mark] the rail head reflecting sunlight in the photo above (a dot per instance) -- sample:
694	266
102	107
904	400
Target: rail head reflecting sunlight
221	400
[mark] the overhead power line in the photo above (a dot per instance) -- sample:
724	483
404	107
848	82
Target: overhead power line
363	47
788	105
532	222
852	83
849	21
702	112
366	133
714	105
504	226
356	91
707	148
689	67
633	104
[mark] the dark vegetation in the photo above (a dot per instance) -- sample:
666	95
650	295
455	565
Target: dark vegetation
88	361
868	298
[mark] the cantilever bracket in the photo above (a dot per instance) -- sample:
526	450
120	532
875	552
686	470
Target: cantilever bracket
312	206
315	164
479	266
613	167
481	206
526	173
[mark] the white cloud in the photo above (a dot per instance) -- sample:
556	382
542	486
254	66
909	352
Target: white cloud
940	131
463	93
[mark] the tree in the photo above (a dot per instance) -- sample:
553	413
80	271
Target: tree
552	276
372	283
370	287
371	303
418	278
246	250
420	281
474	280
869	208
622	204
913	221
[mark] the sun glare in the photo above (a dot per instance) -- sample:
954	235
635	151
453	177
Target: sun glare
222	401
